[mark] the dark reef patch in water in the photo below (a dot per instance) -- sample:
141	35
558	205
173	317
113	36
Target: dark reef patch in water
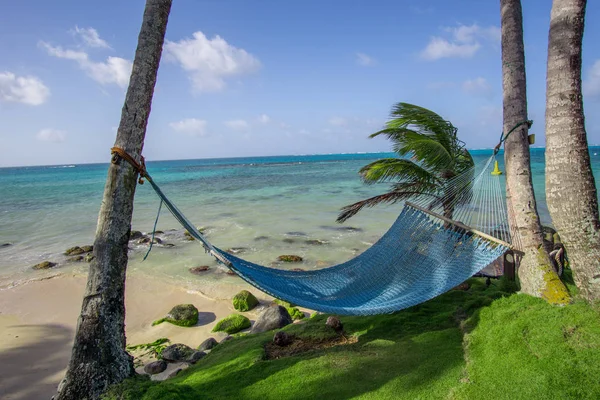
341	228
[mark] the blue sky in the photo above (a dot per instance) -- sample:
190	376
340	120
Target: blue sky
241	78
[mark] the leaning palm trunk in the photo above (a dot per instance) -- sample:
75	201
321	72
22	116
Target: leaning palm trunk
99	357
536	274
570	187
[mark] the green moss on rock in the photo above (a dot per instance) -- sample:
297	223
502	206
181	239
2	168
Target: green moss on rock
232	324
44	265
181	315
289	258
294	312
244	301
74	251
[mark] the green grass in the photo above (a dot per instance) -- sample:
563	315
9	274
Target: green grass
479	344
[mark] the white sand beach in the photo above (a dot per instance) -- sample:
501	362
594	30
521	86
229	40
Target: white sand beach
38	321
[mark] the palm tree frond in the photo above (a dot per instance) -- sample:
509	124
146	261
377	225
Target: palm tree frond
426	121
390	197
388	169
425	149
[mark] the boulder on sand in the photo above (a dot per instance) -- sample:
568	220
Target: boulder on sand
181	315
155	367
272	317
232	324
208	344
177	353
44	265
244	301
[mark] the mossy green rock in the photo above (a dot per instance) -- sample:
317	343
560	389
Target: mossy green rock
244	301
181	315
44	265
74	251
232	324
294	312
289	258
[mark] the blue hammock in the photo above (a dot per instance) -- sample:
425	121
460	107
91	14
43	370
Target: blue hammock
420	257
416	260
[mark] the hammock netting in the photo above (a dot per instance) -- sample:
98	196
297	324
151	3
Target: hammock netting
425	253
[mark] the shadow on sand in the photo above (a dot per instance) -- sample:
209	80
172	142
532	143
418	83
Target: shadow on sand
34	369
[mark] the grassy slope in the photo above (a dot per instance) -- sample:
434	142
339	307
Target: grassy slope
480	344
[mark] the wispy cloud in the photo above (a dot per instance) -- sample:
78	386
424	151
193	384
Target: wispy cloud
22	89
464	42
51	135
90	37
210	62
115	70
190	126
365	60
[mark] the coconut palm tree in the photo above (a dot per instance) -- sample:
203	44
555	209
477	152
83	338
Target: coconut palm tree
436	156
570	187
536	273
99	358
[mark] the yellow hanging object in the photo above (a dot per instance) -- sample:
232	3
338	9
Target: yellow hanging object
496	170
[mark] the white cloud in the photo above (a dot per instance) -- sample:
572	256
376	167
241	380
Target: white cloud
90	37
114	70
591	84
22	89
442	48
365	60
337	121
210	62
190	126
478	86
264	119
464	42
470	34
237	124
51	135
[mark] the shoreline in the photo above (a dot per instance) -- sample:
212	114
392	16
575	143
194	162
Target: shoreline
38	320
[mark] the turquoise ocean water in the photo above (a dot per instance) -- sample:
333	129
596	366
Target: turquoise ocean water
266	206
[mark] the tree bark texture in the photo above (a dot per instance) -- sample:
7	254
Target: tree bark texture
536	274
99	358
570	186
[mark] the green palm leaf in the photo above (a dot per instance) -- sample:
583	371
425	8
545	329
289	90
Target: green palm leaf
436	157
425	149
388	169
390	198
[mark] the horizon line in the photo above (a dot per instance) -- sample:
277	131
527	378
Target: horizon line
67	165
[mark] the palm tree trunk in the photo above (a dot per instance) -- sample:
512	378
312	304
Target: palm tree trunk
536	274
570	187
99	358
